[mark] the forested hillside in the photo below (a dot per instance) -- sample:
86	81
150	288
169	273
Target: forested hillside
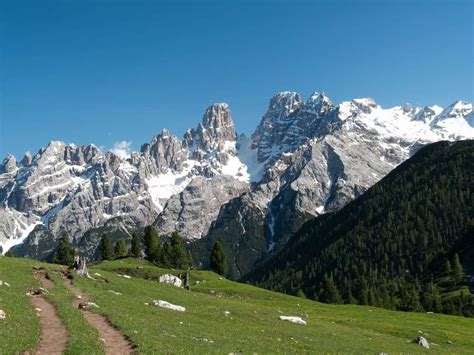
407	243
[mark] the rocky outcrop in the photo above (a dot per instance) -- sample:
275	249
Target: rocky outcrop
192	211
304	159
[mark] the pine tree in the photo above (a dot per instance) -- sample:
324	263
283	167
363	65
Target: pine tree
447	268
105	248
329	292
64	253
120	249
458	270
165	256
217	262
135	249
152	244
179	258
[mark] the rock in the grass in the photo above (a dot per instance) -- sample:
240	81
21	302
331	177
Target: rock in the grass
37	291
87	305
4	283
115	293
171	279
3	315
297	320
125	276
38	309
226	313
421	341
168	305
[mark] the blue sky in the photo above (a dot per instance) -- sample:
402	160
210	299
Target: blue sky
106	71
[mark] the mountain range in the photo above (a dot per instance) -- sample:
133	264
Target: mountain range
305	158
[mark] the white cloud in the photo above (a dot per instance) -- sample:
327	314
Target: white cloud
122	149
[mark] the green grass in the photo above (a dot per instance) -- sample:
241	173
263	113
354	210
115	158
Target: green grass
83	338
21	329
252	325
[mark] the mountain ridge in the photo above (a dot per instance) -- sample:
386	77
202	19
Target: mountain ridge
82	187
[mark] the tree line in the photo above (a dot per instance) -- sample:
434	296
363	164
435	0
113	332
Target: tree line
169	254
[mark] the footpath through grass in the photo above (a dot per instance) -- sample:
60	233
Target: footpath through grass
21	329
83	338
252	324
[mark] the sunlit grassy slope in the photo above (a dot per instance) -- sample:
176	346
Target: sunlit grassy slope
252	326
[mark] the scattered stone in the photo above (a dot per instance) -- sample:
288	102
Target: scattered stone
291	319
3	315
79	297
171	280
37	291
125	276
97	274
164	304
4	283
421	341
115	292
87	305
226	313
450	342
37	268
38	310
147	304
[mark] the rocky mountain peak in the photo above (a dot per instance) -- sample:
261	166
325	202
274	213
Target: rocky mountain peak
218	122
456	110
27	159
283	104
318	103
8	164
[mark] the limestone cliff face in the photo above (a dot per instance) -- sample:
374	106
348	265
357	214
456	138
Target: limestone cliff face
305	158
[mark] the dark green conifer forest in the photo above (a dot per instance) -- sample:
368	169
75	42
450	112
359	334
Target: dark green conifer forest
406	244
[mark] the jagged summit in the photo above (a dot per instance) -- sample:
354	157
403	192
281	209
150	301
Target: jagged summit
306	155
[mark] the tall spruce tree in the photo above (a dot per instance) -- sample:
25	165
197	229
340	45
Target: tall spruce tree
135	249
329	292
217	262
120	249
152	244
458	271
179	257
64	253
105	248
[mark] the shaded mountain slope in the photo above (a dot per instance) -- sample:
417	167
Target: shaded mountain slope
390	247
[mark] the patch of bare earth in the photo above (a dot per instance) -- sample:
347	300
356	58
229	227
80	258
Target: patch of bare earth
53	332
114	341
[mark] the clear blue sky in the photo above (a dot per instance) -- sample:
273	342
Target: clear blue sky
105	71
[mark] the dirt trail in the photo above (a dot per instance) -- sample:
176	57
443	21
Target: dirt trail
114	341
53	332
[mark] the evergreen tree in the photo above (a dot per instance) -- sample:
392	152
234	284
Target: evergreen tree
179	257
152	244
135	249
447	268
64	253
458	271
432	299
165	256
329	292
300	293
105	248
217	262
120	249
